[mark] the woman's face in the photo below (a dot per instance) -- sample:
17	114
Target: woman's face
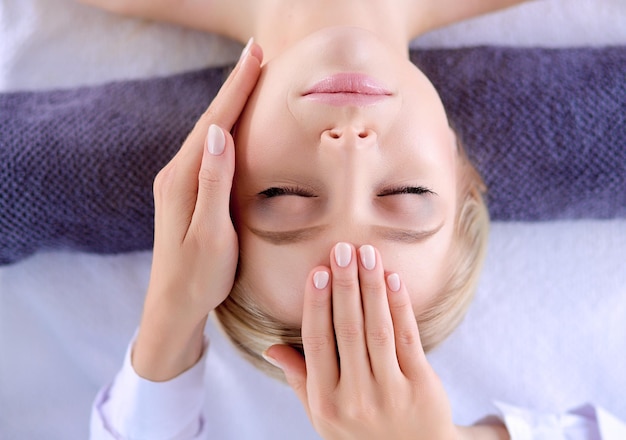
342	140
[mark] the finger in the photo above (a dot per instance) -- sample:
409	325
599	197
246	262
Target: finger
318	336
411	357
379	332
292	364
233	95
214	180
348	313
229	101
177	183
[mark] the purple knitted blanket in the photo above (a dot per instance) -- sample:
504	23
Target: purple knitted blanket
545	127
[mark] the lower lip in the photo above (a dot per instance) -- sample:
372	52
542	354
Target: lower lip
348	89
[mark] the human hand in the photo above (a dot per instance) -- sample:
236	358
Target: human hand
380	385
195	244
229	17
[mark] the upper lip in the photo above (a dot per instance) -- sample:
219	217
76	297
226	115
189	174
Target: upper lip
344	83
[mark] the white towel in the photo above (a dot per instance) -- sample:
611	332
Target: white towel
546	330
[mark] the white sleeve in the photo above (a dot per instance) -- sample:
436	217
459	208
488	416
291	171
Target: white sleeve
135	408
587	422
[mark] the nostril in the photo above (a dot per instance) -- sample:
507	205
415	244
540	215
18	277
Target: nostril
338	133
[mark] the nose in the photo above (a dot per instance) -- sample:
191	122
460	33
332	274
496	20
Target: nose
349	137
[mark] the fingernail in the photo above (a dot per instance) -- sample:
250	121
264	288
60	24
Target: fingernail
216	141
368	256
393	281
320	279
246	48
271	360
343	254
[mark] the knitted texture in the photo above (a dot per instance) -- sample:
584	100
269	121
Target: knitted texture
77	166
545	127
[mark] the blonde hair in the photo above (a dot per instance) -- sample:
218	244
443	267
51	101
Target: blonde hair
252	330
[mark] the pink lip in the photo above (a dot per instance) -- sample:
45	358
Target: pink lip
348	89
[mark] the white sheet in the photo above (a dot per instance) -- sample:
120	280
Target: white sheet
546	330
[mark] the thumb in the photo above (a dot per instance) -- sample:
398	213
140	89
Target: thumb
292	363
215	178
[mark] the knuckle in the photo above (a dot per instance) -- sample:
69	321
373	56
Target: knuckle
373	284
316	344
209	180
360	410
407	337
379	336
325	410
220	109
400	306
163	181
349	332
203	239
396	401
208	116
345	282
319	303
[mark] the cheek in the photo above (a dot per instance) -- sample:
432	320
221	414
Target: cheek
284	213
423	270
276	276
410	210
424	284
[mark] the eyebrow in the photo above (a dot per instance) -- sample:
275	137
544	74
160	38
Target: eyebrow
406	236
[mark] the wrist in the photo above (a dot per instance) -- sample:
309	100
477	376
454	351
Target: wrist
164	350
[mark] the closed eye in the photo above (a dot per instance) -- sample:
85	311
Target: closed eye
286	191
419	190
302	192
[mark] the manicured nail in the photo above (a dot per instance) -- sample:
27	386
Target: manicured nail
246	48
216	141
393	281
368	256
271	360
343	254
320	279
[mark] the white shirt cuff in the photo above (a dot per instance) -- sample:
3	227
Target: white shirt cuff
587	422
136	408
